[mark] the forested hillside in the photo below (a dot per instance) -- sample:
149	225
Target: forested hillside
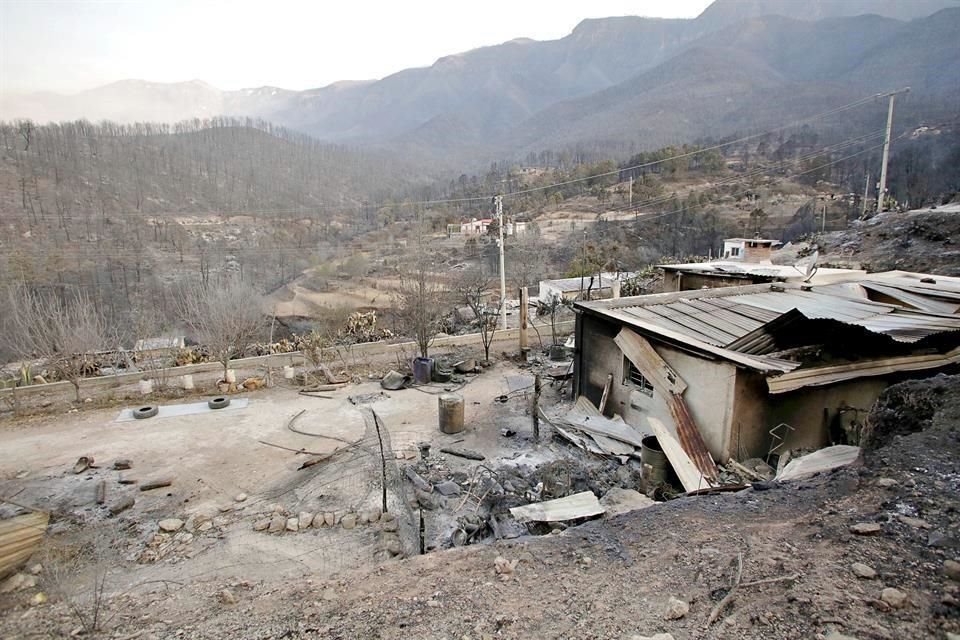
126	209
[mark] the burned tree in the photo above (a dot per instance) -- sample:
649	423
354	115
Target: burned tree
65	331
224	319
471	289
419	301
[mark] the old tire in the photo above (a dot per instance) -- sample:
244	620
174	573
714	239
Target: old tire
219	402
147	411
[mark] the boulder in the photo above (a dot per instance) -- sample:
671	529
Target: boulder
171	525
349	521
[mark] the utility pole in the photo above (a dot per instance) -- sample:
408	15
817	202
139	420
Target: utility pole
882	188
503	276
866	193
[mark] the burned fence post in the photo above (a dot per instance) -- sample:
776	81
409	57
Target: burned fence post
535	409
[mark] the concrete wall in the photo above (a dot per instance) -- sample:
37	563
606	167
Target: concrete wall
809	411
709	394
676	281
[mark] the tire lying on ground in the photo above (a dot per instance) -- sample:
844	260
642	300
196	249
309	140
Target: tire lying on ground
148	411
219	402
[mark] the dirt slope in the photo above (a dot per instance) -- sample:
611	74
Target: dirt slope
613	578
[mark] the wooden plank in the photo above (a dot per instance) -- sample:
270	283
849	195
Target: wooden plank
690	477
19	538
648	362
606	393
820	376
573	507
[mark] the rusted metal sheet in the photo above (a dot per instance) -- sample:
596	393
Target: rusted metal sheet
690	438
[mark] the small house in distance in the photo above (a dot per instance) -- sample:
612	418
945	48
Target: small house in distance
762	369
598	286
748	249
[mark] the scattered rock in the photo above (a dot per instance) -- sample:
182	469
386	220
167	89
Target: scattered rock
390	525
893	597
447	488
227	597
329	519
206	526
156	483
428	501
916	523
940	539
240	497
618	500
292	524
373	515
121	505
171	525
122	464
952	569
319	521
349	521
261	525
278	523
676	609
305	520
38	599
886	483
224	508
126	478
35	569
417	480
503	567
863	571
392	546
17	582
865	528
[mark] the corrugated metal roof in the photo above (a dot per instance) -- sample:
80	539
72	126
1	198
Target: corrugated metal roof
915	297
722	317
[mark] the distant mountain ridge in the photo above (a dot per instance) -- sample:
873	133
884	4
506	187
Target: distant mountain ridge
611	83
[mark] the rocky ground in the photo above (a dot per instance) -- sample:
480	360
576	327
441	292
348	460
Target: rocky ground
923	241
865	552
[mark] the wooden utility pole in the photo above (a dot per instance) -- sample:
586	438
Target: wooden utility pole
503	276
866	194
882	189
524	301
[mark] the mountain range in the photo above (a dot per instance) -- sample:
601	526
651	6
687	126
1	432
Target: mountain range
612	85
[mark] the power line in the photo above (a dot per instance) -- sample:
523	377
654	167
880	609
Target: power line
89	252
488	198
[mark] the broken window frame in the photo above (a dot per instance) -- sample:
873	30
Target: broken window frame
634	378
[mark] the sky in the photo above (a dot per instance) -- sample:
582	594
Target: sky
68	46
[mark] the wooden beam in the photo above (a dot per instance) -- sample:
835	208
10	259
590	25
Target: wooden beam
606	393
645	358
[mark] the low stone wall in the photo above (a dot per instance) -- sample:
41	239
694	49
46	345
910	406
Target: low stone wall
88	386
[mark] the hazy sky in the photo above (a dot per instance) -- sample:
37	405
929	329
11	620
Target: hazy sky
69	46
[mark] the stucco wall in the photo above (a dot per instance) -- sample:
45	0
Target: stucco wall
756	412
709	394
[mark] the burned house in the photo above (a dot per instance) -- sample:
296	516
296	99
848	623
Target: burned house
745	371
726	273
